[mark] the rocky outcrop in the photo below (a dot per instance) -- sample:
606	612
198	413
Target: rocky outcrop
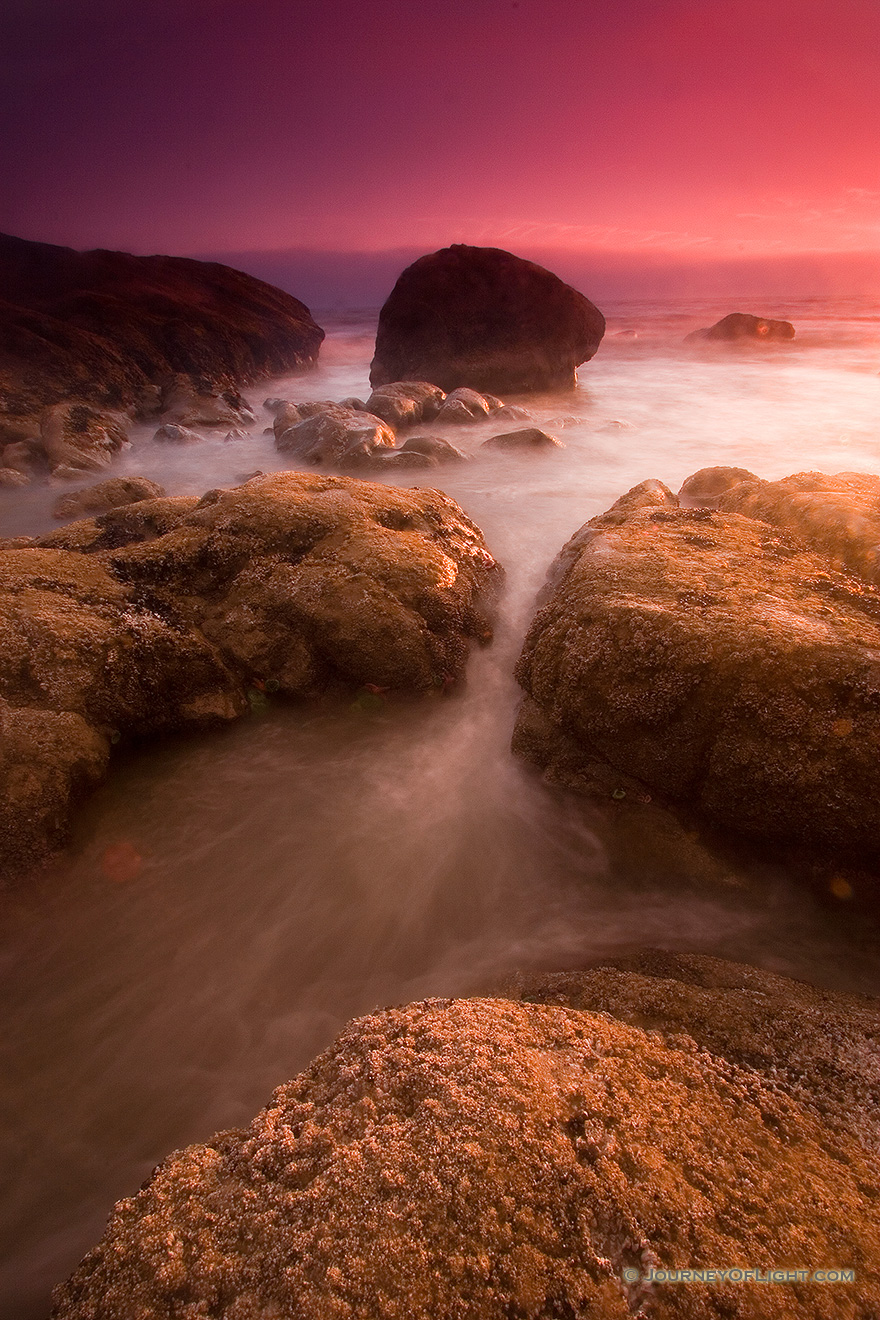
742	325
106	495
492	1158
838	515
484	318
179	612
722	664
109	330
76	438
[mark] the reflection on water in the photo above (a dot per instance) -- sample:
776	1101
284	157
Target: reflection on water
231	899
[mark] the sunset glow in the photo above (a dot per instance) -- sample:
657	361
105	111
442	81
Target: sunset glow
692	128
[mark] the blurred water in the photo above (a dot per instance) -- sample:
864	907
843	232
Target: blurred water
312	864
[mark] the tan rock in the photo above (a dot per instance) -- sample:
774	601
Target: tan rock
164	613
838	516
106	495
335	437
724	666
486	1158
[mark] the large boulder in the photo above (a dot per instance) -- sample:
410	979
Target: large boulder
108	329
179	612
743	325
725	665
496	1159
482	317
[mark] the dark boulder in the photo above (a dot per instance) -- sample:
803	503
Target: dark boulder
108	328
484	318
742	325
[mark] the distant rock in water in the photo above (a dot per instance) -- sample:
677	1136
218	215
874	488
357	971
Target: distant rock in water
108	329
742	325
174	613
484	318
494	1158
728	664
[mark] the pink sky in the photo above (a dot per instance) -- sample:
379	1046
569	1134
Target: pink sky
700	128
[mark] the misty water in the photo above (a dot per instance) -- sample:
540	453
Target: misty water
309	864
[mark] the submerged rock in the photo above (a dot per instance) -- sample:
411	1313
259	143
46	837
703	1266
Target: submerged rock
166	613
529	438
435	447
106	495
742	325
484	318
490	1158
177	435
464	406
723	664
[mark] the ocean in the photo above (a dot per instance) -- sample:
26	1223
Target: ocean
313	863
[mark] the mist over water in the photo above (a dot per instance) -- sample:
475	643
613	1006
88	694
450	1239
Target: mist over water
314	863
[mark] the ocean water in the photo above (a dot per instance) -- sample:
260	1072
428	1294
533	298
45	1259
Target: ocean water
311	864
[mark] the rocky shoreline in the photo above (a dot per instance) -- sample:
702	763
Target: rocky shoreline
703	670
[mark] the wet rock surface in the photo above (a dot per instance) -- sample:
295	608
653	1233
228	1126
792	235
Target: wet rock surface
723	664
495	1158
334	436
179	612
484	318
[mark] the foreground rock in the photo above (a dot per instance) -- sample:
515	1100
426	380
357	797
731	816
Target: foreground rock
484	318
721	663
493	1159
837	515
109	330
742	325
106	495
180	612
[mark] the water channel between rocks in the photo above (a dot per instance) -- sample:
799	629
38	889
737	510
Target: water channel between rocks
311	864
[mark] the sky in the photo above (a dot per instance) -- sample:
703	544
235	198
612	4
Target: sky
639	130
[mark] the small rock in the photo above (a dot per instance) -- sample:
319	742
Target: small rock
180	435
529	438
12	477
436	447
106	495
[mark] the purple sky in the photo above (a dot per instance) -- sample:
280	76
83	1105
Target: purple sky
674	129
